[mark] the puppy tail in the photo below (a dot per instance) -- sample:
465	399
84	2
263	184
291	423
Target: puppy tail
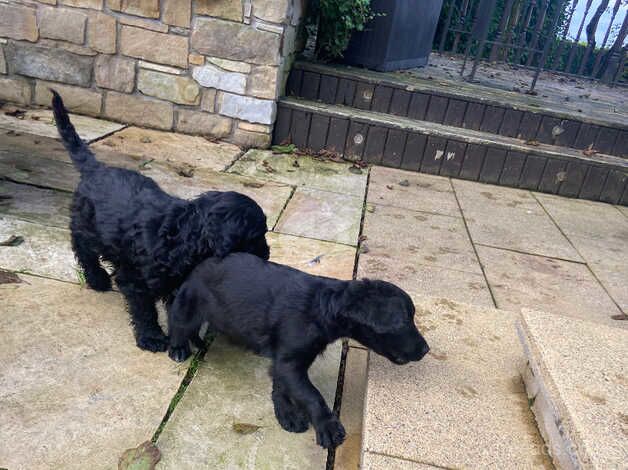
80	153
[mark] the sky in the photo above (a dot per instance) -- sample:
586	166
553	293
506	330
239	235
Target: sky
604	20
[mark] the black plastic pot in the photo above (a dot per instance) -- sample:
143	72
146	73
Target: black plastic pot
399	39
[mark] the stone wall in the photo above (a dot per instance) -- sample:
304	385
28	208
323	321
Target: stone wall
210	67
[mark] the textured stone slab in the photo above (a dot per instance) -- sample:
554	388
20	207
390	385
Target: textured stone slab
464	405
313	256
520	280
101	34
46	251
209	76
577	380
409	238
414	191
134	109
171	148
247	108
15	90
75	389
49	63
66	25
324	175
182	90
371	461
42	206
194	122
511	218
18	22
140	43
227	9
352	409
115	73
322	215
76	99
40	122
232	386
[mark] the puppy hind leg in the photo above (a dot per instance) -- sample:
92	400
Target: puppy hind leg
88	259
148	333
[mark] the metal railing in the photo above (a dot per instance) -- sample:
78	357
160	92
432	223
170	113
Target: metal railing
535	34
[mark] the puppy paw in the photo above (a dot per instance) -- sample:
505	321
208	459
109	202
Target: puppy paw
330	433
98	280
154	342
179	353
292	419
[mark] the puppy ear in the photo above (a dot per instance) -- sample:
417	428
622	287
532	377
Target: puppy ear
363	304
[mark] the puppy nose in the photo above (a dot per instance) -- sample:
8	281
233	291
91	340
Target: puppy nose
424	350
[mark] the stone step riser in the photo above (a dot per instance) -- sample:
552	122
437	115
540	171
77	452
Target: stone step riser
501	118
382	142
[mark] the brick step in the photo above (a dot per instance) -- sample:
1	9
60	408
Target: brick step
465	105
427	147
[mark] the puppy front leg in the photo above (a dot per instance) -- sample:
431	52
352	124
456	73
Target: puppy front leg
291	417
293	378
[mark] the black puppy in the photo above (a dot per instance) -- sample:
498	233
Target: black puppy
292	316
152	239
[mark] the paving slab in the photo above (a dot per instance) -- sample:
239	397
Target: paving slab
511	218
352	409
34	165
577	378
623	210
45	251
371	461
41	122
38	205
172	148
322	215
520	280
313	256
232	387
410	190
311	172
464	405
75	390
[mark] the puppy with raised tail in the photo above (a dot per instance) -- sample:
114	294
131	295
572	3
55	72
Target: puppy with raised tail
291	317
152	239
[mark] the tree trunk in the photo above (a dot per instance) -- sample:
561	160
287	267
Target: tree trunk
615	54
591	30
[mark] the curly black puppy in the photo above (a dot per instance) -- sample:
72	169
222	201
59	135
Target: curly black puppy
152	239
291	317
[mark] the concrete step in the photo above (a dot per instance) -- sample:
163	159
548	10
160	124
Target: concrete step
467	105
426	147
463	406
576	380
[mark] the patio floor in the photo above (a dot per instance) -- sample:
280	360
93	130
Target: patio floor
76	392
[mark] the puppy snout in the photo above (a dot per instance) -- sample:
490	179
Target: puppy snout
423	350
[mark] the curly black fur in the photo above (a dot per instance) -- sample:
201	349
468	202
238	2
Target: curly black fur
291	317
152	239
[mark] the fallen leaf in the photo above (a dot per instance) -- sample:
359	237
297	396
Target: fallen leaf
589	151
143	457
186	170
557	130
315	261
267	166
295	164
7	277
245	428
356	170
145	140
534	143
252	184
621	316
364	248
290	148
389	186
362	238
146	164
18	113
370	208
35	118
13	240
404	183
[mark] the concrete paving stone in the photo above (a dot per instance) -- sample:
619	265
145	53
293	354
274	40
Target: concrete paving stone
586	219
511	218
24	164
40	122
46	251
577	379
527	281
623	210
371	461
352	409
313	256
414	191
464	405
313	173
411	238
322	215
38	205
171	148
75	389
232	386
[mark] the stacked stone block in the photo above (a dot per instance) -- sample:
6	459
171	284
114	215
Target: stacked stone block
209	67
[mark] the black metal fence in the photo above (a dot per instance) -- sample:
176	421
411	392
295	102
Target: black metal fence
536	34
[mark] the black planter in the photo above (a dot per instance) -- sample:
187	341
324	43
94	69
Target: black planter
400	39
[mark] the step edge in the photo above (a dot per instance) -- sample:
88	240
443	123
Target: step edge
434	90
441	130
